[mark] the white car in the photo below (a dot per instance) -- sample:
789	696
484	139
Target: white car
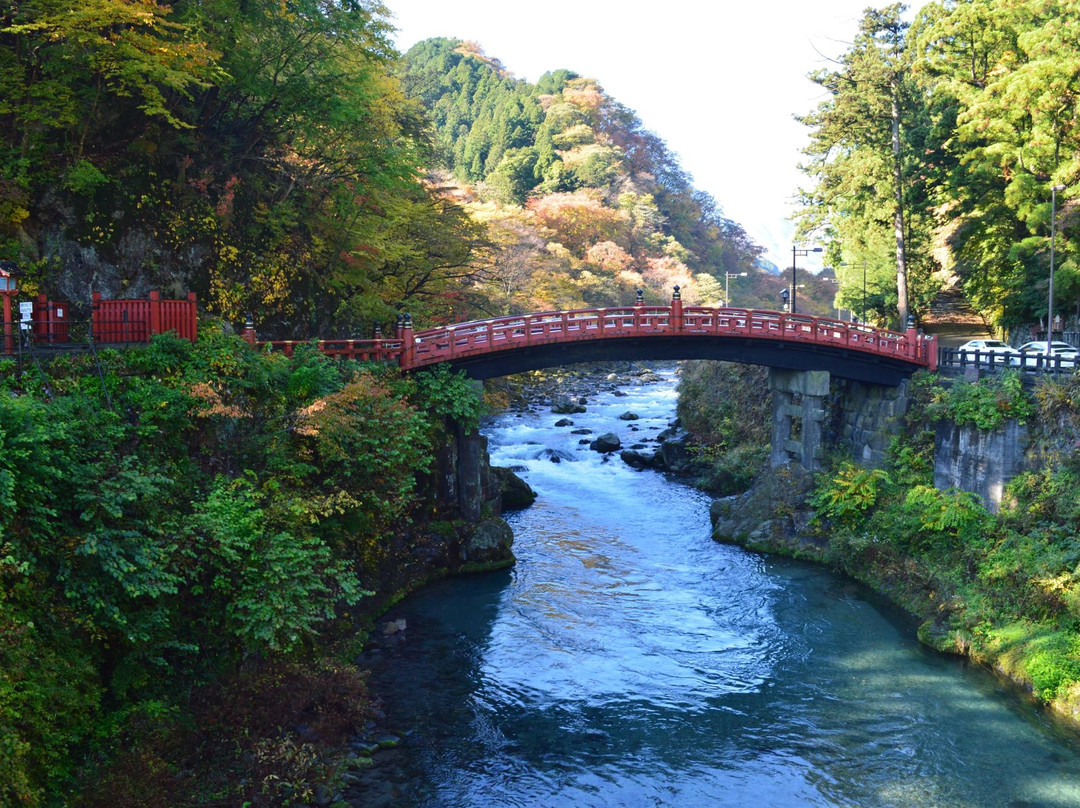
1060	354
990	351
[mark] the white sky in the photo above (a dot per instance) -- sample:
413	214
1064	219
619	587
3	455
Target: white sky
718	80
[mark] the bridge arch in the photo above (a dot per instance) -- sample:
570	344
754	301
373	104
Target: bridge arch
504	345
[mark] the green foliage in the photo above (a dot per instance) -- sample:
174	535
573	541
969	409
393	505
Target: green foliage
725	407
274	588
850	493
954	513
450	395
987	403
219	505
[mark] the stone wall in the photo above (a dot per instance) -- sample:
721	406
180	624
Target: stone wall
864	418
978	461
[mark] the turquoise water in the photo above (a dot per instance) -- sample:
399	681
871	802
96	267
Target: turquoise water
629	660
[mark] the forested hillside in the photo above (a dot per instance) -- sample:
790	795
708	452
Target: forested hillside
583	204
936	149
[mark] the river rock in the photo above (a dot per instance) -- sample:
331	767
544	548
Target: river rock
676	455
608	442
629	416
516	493
490	542
636	459
564	422
567	406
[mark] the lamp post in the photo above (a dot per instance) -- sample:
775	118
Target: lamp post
1053	232
795	251
727	277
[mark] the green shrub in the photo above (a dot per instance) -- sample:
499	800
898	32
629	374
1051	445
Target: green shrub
850	493
987	403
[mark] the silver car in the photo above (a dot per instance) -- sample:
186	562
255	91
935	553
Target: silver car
1059	354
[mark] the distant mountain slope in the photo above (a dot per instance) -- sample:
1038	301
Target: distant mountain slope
584	205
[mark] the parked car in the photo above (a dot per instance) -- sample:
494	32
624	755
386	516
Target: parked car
990	351
1030	352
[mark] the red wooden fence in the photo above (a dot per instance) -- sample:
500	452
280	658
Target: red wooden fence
138	320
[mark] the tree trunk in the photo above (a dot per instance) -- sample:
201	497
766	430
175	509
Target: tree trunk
898	213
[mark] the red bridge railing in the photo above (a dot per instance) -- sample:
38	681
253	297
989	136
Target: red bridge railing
413	350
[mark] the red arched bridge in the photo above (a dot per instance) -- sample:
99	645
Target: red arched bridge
505	345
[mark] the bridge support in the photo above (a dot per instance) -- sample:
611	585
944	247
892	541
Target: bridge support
798	413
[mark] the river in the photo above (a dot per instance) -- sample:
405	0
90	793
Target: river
629	660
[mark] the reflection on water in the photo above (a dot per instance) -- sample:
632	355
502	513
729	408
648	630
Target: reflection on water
628	660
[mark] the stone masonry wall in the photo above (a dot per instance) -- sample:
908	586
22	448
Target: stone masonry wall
864	418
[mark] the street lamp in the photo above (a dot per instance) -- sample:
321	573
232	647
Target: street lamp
727	277
1053	232
794	252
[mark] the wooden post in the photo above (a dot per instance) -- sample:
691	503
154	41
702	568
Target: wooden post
676	310
406	357
95	316
155	313
7	323
192	317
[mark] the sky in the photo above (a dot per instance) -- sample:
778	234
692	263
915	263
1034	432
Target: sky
719	81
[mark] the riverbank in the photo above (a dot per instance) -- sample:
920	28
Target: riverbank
998	589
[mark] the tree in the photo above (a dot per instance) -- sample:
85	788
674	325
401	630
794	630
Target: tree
864	148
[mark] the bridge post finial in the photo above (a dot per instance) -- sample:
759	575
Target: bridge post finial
913	347
249	330
640	299
377	330
399	325
676	309
406	357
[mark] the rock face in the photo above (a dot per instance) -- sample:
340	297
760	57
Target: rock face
978	461
770	515
608	442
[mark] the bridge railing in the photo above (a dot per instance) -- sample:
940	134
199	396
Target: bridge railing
505	333
462	340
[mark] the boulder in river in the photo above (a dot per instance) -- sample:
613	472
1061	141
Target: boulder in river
629	416
564	422
637	460
490	543
567	406
608	442
516	493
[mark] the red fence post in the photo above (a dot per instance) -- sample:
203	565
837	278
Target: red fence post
95	316
676	309
192	317
42	325
406	358
155	313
